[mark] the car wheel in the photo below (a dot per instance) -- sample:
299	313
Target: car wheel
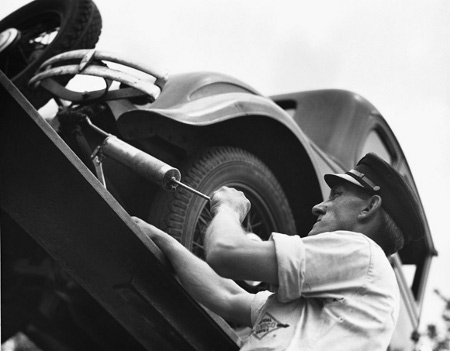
185	216
40	30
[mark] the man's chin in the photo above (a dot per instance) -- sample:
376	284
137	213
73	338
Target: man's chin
313	232
316	229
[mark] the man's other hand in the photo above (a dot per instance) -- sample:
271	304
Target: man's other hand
148	229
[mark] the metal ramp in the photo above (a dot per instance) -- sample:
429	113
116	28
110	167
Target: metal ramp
51	194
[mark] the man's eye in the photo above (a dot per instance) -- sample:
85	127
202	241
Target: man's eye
334	195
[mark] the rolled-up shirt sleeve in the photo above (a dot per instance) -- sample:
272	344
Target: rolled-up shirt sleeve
291	256
322	265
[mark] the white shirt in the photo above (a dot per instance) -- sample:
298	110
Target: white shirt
337	291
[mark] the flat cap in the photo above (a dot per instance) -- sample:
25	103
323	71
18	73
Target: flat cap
398	199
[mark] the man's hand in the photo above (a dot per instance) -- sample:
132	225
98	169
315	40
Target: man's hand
232	200
148	229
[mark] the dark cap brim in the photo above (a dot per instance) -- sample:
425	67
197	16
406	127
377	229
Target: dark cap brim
334	179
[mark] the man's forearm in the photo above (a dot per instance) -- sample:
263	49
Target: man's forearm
232	254
220	295
224	231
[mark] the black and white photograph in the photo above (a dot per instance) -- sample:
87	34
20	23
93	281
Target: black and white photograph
225	175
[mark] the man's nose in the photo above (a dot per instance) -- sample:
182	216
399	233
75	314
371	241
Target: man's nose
319	209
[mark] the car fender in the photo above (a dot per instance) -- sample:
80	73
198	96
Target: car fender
204	99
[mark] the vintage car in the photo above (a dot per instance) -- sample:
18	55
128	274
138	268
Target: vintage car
215	130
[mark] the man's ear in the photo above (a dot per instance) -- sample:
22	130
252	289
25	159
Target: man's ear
373	205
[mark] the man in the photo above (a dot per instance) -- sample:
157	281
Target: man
334	289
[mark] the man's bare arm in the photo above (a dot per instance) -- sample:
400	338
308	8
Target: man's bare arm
229	251
220	295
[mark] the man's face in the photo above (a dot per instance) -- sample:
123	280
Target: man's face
340	211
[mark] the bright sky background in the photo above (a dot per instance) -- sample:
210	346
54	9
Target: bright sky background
394	53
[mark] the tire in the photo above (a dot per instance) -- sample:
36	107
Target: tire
61	25
185	215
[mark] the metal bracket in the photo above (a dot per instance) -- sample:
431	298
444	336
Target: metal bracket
97	158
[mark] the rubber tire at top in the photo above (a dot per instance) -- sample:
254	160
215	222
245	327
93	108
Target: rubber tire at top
185	215
80	25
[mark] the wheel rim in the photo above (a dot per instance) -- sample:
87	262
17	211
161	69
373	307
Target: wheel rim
25	44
